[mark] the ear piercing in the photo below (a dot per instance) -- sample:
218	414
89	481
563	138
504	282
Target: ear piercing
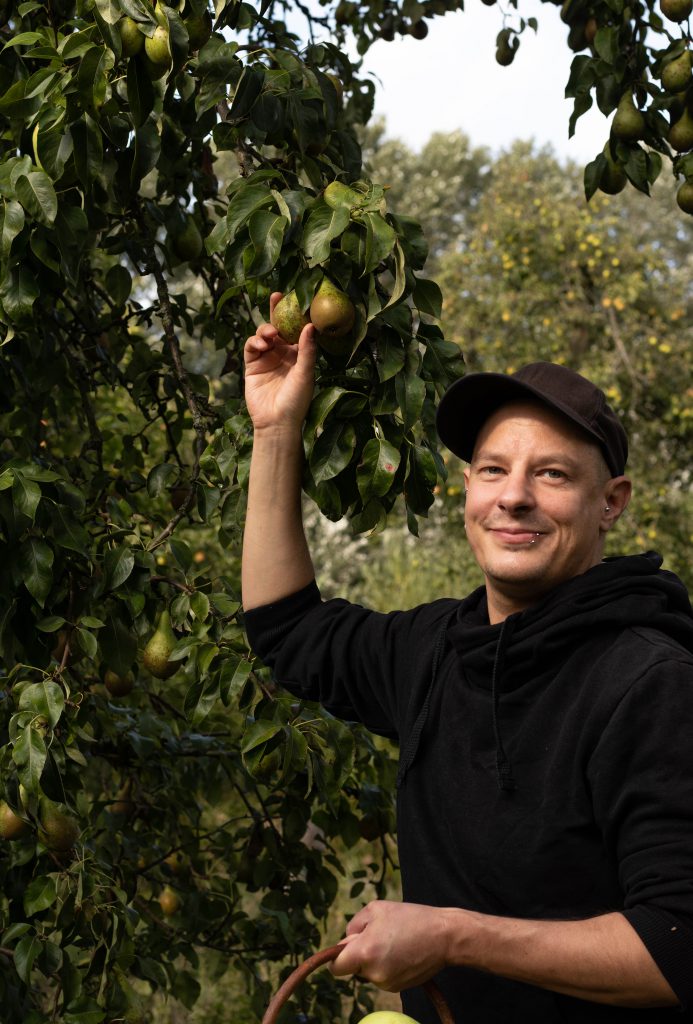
607	508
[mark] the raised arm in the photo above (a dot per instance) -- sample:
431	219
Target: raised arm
279	380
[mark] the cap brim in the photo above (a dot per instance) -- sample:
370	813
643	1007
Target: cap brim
468	403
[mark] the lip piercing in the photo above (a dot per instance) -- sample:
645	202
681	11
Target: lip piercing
607	508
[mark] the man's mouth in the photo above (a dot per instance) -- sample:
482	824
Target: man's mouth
514	535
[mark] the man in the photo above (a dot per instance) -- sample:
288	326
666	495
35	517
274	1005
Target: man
545	792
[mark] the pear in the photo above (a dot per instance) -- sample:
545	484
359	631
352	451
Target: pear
677	73
681	133
684	196
288	318
57	830
591	29
332	311
169	901
613	179
505	53
159	646
118	686
157	47
338	194
387	1017
123	803
131	39
11	825
676	10
628	124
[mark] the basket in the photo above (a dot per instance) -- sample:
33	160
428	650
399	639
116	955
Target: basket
323	957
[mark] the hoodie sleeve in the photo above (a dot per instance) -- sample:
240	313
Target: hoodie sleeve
361	665
642	778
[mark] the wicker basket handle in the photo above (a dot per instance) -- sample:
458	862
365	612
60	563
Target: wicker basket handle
324	956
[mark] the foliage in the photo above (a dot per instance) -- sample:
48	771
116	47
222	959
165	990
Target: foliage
131	272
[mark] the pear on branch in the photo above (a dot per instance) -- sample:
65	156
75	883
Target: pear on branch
676	10
677	73
684	196
681	133
613	179
288	318
158	648
628	124
57	830
11	825
332	312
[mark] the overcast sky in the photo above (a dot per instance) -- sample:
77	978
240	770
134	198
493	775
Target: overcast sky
451	80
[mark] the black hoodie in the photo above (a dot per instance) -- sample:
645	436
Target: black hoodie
546	765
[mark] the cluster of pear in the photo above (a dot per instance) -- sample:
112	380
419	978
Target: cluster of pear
157	47
581	22
57	829
331	312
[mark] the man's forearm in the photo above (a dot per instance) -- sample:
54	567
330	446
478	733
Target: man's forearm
601	959
276	560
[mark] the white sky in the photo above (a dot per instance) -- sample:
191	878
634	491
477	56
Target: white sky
451	80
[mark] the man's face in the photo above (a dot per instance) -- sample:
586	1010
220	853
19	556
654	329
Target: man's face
534	513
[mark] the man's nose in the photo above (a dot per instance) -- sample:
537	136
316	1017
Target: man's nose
517	492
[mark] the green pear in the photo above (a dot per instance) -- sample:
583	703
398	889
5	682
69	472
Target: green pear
159	646
681	133
613	179
387	1017
11	825
288	318
57	830
338	194
118	686
505	53
157	47
684	196
677	73
628	124
332	311
676	10
131	39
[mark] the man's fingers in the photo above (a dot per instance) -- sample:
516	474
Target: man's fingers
348	961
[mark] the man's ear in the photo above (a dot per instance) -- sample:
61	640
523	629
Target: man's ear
465	472
616	497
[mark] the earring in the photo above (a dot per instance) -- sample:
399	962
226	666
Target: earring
607	508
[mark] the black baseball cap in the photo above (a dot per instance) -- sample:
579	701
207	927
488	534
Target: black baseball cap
468	403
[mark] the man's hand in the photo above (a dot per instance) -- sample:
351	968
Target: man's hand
395	945
279	377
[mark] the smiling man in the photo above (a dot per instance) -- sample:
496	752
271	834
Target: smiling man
545	789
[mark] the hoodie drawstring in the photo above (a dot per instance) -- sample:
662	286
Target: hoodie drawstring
504	772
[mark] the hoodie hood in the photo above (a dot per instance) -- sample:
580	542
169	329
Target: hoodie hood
618	593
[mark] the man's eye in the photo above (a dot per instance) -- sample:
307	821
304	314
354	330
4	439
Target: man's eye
491	470
554	474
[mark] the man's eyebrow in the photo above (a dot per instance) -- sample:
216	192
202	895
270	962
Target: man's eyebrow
557	458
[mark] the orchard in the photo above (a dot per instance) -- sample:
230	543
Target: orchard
163	170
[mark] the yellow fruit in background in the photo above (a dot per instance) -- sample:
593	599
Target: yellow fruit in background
118	686
57	830
387	1017
11	825
169	901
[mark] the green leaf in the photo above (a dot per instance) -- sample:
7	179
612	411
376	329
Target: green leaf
248	89
181	552
25	953
26	495
40	894
35	565
160	477
266	231
87	149
232	678
380	241
117	566
29	754
119	284
36	193
92	77
51	623
244	202
333	450
68	532
593	175
18	293
411	392
421	479
141	94
199	603
376	470
257	733
428	298
11	224
83	1010
323	225
45	698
